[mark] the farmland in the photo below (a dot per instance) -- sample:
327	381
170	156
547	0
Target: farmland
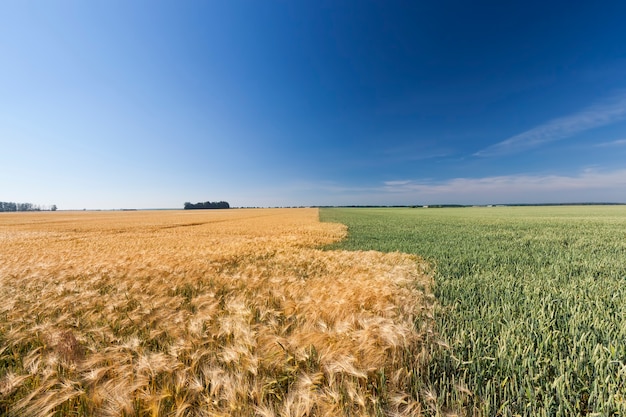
241	313
206	313
531	303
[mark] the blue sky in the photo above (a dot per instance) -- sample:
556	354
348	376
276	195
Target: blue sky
148	104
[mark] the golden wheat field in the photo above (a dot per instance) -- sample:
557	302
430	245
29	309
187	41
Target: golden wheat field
205	313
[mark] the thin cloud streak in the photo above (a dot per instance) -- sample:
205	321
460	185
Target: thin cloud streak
604	113
614	143
589	185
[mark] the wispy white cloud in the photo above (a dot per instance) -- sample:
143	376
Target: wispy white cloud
611	144
401	183
589	185
603	113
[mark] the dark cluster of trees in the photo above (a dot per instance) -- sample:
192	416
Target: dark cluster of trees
207	205
9	206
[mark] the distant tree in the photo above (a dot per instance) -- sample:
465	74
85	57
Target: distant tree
27	207
207	205
53	207
10	206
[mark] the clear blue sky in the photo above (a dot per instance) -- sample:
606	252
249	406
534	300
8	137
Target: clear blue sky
146	104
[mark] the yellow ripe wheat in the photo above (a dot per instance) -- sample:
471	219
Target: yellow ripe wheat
203	313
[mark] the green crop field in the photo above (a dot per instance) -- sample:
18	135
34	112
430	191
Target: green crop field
531	315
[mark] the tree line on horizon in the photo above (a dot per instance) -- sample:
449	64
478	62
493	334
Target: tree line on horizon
207	205
10	206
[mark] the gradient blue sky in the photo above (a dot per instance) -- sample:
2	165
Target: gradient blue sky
146	104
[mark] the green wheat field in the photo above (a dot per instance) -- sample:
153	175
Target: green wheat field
531	303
